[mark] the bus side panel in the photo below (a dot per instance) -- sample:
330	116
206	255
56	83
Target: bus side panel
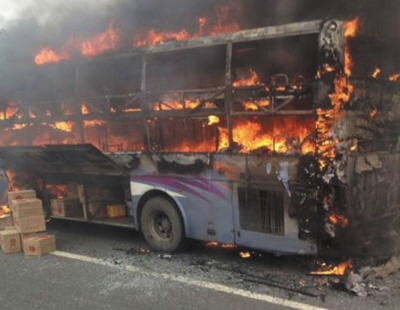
205	205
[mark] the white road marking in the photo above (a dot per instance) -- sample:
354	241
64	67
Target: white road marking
185	280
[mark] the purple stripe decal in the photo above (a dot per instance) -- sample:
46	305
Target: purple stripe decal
182	183
173	183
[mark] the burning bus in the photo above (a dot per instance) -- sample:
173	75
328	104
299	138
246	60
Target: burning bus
260	138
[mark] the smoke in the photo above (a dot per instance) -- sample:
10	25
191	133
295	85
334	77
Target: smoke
29	25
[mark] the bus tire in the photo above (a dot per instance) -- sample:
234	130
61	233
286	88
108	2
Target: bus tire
162	225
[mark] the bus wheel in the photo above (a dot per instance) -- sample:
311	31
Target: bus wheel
162	225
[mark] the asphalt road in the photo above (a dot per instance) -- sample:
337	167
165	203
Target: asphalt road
98	267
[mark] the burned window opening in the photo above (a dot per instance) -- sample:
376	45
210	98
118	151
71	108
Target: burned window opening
261	211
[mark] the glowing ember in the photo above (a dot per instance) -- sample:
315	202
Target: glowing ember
350	31
57	191
339	220
84	109
394	77
229	246
337	270
250	81
373	113
376	73
212	243
244	254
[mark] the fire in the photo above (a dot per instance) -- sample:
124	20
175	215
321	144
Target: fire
286	134
255	105
64	126
394	77
326	119
94	123
337	270
251	81
212	119
84	109
339	220
373	113
107	40
350	31
226	17
47	55
244	254
228	246
153	37
57	191
4	211
376	73
212	243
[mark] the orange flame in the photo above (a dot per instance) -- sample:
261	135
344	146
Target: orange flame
339	220
47	55
255	105
287	134
64	126
225	21
153	37
212	119
376	73
251	81
244	254
350	31
394	77
212	243
107	40
337	270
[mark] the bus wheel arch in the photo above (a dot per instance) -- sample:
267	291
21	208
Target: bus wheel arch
161	222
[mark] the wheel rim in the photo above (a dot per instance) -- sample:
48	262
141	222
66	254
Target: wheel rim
161	226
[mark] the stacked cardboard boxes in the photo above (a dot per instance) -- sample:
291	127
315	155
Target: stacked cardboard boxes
28	232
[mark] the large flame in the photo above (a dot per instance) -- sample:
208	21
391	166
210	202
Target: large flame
286	135
226	16
327	119
107	40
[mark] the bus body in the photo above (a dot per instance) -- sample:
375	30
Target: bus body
256	138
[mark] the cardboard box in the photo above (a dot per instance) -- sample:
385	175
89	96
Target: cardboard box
27	207
25	236
66	207
114	211
30	193
9	241
30	224
40	245
6	221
